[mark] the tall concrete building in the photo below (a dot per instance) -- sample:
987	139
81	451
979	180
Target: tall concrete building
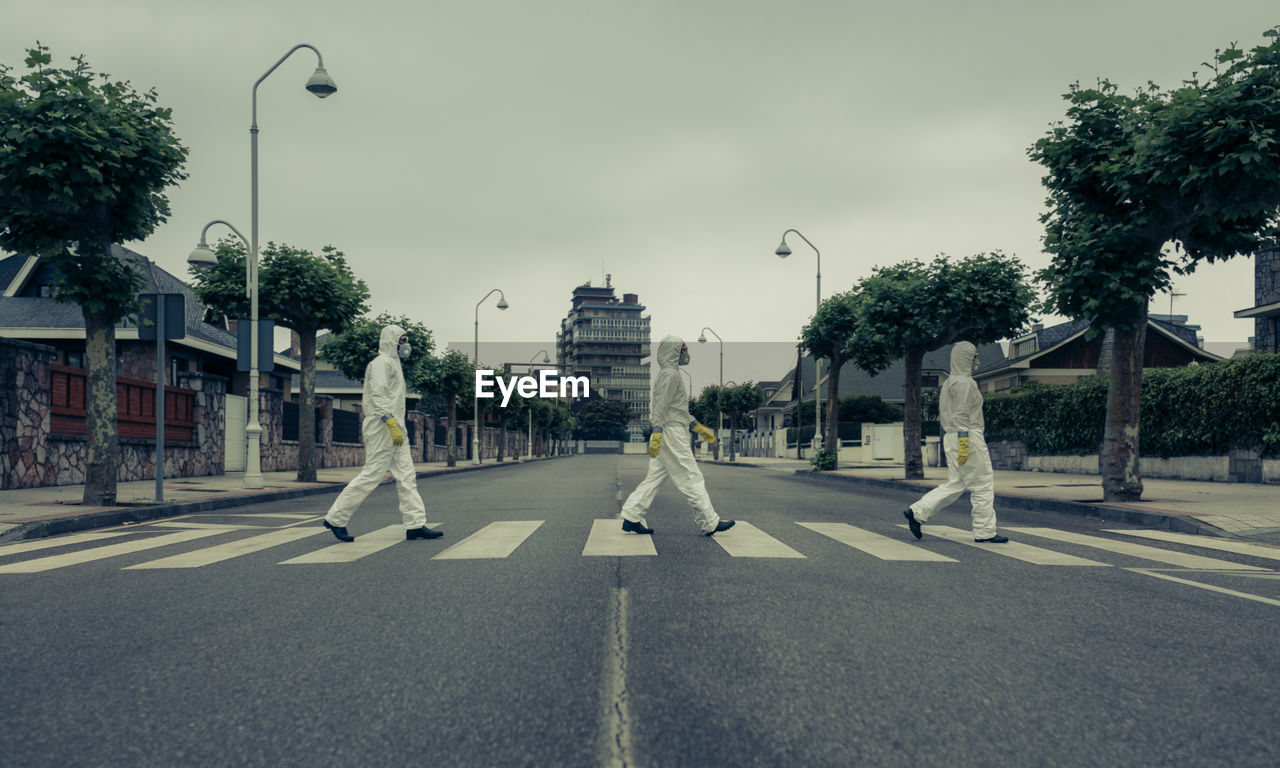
607	340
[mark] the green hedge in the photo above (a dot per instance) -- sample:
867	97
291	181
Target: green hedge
1201	410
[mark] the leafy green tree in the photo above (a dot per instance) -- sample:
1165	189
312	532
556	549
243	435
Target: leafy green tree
84	164
906	310
1145	186
736	402
829	335
301	291
869	409
455	375
600	419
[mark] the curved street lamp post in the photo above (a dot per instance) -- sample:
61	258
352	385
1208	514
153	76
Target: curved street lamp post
702	339
783	251
475	438
528	450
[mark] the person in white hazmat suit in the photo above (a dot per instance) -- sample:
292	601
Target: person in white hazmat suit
968	463
670	454
384	443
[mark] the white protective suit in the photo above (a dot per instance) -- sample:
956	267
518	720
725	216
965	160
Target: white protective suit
669	409
960	410
383	396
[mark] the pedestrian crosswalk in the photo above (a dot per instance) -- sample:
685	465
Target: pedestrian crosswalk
499	540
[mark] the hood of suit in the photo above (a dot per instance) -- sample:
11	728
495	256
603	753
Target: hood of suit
389	340
669	352
962	356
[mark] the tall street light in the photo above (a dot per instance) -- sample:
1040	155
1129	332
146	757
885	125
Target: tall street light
702	339
784	251
528	450
322	86
475	438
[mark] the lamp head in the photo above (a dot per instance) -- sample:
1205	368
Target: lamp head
702	339
321	84
546	359
783	249
502	303
202	257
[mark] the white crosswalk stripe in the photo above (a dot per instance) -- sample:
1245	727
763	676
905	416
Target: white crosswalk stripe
351	551
495	540
1180	559
217	554
101	553
874	544
1209	542
1014	549
746	540
60	541
607	539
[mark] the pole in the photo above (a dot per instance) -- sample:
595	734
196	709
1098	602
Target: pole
161	308
475	359
253	469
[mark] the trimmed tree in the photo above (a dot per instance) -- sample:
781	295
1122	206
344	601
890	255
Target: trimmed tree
829	335
300	291
737	401
84	165
1145	186
906	310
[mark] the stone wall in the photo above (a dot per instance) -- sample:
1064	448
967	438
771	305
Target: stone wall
33	457
1240	466
1266	290
24	415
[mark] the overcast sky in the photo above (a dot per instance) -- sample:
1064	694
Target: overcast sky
535	146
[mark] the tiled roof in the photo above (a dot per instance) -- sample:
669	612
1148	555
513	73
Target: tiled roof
9	269
31	312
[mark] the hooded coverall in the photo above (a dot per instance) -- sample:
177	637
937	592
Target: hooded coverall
960	409
384	392
669	409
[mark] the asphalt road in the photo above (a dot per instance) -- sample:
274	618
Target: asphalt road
690	657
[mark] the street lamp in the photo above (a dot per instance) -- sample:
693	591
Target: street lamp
475	438
322	86
784	251
702	339
528	451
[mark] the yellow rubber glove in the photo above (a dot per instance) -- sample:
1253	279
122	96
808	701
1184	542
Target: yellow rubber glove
397	437
655	444
704	433
964	450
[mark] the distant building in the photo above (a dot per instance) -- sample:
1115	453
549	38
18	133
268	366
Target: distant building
607	341
1266	295
1062	354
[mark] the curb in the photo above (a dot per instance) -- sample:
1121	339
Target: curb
39	529
1166	521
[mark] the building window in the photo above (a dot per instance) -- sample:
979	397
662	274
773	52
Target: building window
929	380
75	360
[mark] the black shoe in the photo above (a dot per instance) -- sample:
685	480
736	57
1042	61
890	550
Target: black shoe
422	533
913	523
994	540
339	531
723	525
630	527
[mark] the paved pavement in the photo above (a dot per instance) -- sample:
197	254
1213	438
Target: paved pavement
1232	510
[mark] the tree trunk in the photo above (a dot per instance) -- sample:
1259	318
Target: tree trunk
307	408
733	431
100	410
452	441
502	440
1118	461
831	441
913	359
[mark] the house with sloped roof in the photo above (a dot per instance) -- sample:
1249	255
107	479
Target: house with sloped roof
29	312
889	385
1064	353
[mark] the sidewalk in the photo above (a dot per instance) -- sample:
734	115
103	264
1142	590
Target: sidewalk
1218	509
36	512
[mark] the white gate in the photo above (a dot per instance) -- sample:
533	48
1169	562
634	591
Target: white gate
237	447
